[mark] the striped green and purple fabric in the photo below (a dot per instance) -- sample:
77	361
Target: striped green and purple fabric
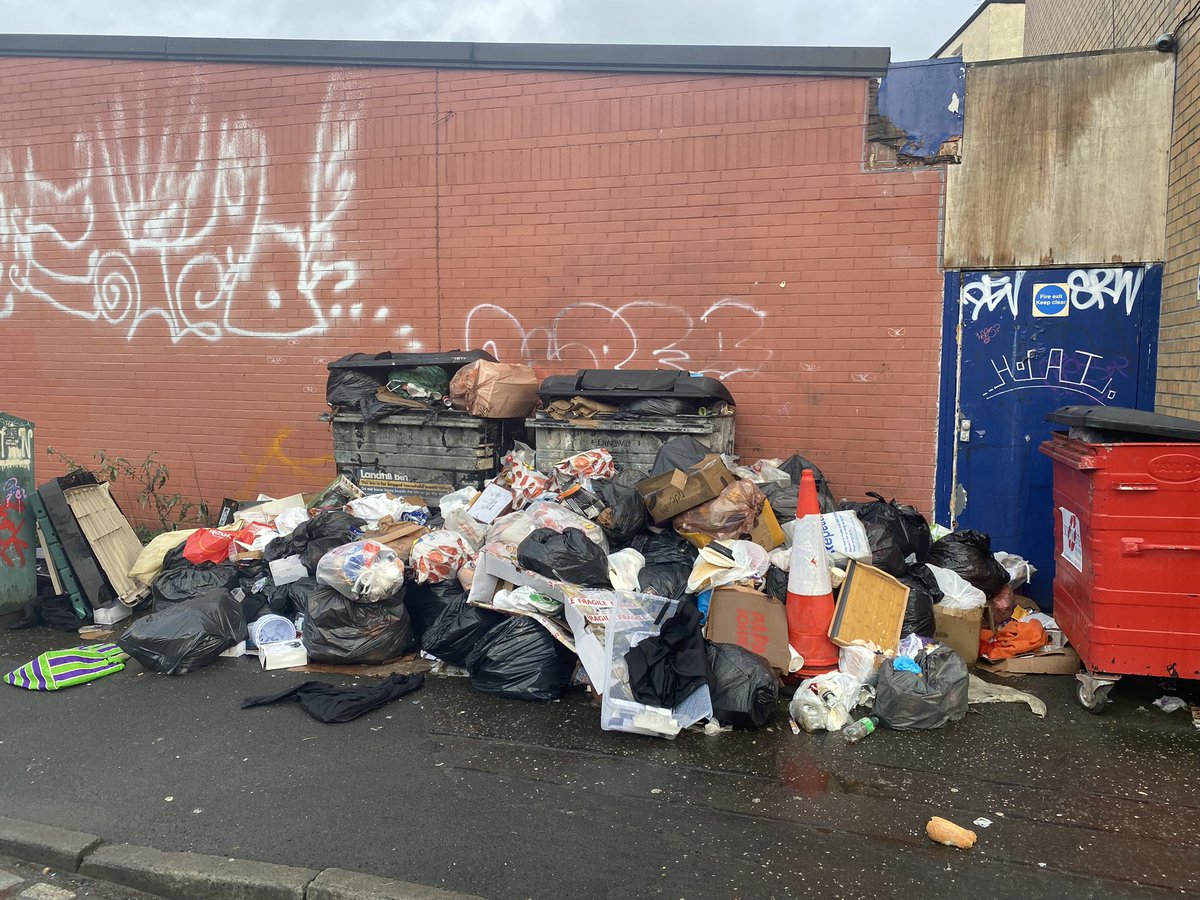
57	669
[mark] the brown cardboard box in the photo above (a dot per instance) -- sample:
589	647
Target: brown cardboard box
1047	661
870	608
766	531
495	390
677	491
400	537
959	628
751	620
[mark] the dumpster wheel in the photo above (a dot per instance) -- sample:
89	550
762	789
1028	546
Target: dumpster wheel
1092	692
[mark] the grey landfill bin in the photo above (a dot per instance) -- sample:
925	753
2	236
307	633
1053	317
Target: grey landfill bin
425	452
700	407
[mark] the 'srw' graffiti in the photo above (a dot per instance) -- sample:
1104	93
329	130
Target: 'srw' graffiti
724	340
177	224
1087	289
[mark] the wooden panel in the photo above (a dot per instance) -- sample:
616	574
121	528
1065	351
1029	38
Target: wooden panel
870	608
1065	162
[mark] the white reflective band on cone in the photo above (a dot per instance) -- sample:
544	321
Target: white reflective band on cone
809	573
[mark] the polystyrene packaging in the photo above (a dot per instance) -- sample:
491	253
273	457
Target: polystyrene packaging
365	571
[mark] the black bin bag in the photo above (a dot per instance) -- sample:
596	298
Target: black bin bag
624	513
289	599
186	635
571	557
426	602
680	452
521	660
908	700
969	553
795	465
745	689
923	593
667	580
895	531
184	582
339	630
455	633
667	547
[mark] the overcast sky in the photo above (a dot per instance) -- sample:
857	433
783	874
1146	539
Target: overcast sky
912	30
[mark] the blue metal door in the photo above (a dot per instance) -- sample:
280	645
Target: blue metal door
1016	345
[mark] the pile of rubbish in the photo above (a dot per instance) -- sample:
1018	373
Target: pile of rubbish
693	595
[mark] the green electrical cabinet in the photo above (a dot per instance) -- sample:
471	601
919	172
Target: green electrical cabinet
18	529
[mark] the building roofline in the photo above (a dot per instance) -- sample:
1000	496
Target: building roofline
967	24
850	62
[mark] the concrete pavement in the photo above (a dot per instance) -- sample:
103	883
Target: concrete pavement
453	789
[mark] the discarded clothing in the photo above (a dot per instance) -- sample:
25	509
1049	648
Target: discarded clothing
57	669
669	667
334	705
980	691
1013	639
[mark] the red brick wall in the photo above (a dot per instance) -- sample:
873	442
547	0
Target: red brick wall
184	247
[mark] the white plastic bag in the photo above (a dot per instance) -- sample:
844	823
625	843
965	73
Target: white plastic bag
366	571
860	663
288	520
742	561
472	530
526	599
623	569
551	515
506	533
1019	569
460	499
825	702
374	507
845	537
957	592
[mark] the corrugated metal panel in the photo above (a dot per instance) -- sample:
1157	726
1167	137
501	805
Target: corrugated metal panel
110	536
1064	162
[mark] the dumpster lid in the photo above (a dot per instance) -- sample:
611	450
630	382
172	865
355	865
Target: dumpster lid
633	384
452	360
1120	424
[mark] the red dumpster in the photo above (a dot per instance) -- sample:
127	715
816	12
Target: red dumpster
1127	546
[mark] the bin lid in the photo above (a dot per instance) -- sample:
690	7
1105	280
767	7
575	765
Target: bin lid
1121	424
451	360
633	384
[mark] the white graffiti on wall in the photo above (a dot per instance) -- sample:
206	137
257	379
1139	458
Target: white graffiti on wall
1071	371
723	341
1087	288
175	222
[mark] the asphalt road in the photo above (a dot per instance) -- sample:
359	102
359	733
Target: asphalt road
451	788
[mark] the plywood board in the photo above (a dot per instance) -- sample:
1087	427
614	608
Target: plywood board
870	608
1064	162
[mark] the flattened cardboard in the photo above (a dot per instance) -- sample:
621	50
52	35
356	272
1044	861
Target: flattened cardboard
1047	661
751	620
677	491
958	629
870	608
400	537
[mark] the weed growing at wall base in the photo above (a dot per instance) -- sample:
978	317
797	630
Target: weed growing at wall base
149	477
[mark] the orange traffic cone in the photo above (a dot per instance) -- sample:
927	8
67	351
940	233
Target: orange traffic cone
809	591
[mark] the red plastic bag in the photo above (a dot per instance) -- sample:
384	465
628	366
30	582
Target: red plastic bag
212	545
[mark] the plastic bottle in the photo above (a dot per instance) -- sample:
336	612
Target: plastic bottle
856	731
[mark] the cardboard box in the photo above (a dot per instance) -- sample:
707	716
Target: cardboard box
286	570
1047	661
767	532
283	655
959	629
494	501
870	608
400	537
677	491
751	620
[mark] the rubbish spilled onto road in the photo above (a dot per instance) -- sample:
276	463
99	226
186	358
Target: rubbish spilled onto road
685	588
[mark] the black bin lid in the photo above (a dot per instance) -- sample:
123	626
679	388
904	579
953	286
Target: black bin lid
451	360
633	384
1119	423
